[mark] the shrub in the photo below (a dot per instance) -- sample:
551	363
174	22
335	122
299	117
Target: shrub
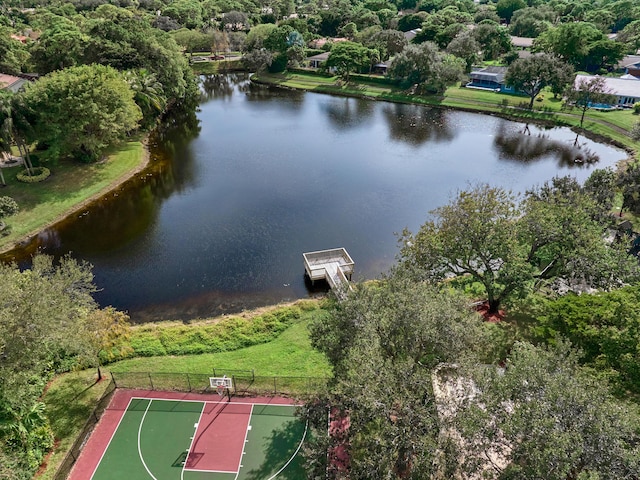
8	207
229	334
279	64
636	108
635	132
38	174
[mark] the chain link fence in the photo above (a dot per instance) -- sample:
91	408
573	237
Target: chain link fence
74	452
245	383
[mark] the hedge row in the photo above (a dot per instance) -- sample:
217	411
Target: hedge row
229	334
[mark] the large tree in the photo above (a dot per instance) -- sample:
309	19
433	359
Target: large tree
493	38
588	92
126	41
425	66
581	44
506	8
629	184
384	341
13	54
80	111
541	416
532	21
48	321
605	326
347	57
530	75
507	244
62	44
40	317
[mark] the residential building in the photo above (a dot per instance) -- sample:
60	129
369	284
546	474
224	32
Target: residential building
626	90
490	78
11	83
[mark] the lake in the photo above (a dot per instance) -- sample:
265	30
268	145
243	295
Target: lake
235	194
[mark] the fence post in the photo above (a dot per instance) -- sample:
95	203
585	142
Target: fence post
114	379
275	385
188	382
150	380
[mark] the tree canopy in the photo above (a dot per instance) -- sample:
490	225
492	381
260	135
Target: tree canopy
383	343
424	65
48	321
347	57
508	244
530	75
542	416
80	111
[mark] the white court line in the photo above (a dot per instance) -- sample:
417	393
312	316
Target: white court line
193	439
112	435
244	444
208	471
139	449
217	402
304	434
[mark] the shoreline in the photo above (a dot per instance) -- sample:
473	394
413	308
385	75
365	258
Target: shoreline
142	164
509	112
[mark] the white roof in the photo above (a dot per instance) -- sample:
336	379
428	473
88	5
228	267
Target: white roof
521	42
623	87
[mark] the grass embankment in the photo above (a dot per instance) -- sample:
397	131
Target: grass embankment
274	342
279	351
613	125
70	186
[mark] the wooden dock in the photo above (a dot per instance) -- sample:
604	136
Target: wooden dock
334	265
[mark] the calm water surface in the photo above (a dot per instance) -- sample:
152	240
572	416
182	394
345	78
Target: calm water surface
233	197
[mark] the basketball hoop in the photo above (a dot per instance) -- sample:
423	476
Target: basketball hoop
221	389
222	385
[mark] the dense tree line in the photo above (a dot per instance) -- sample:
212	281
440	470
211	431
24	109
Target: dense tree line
103	75
48	322
421	390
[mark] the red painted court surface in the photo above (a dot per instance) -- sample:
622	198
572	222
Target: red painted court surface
167	435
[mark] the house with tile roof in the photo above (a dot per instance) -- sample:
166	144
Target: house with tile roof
11	83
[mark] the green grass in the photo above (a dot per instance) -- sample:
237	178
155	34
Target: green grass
614	126
209	336
290	354
69	401
69	186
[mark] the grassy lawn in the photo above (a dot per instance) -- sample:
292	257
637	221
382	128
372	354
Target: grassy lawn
69	185
290	354
70	399
613	125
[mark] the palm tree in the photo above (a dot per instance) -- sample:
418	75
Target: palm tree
17	422
147	92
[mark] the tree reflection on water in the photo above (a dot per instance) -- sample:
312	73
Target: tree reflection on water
415	124
523	147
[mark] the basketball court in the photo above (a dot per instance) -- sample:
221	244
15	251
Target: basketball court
166	436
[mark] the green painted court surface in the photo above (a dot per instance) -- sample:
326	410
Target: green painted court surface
154	436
